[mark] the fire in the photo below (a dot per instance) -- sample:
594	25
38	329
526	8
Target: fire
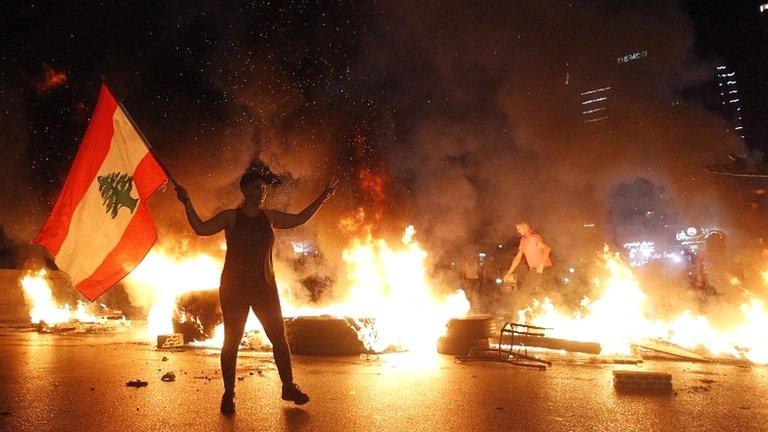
388	283
44	309
620	316
161	278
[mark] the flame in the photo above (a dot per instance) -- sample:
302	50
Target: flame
388	283
620	317
44	309
162	278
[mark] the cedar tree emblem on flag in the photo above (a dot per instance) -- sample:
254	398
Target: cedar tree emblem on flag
115	189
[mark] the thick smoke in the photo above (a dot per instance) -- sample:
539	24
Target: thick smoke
468	114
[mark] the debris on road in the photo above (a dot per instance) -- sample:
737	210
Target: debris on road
658	347
136	383
554	344
168	377
170	341
463	335
325	335
642	381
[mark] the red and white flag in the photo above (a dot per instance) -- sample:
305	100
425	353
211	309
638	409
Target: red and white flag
101	228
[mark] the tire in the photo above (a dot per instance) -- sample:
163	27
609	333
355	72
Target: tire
323	336
476	327
458	346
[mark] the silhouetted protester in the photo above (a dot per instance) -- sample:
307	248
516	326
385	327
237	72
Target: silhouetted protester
536	253
248	279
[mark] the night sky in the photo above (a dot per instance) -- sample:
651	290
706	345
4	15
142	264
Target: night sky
464	117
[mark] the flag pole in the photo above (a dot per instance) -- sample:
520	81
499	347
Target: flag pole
141	134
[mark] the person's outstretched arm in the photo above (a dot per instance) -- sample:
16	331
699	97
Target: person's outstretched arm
284	220
515	262
213	225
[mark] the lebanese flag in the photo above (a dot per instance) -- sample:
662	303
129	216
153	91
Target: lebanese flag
101	228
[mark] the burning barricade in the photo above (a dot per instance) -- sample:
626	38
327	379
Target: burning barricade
385	301
49	316
620	317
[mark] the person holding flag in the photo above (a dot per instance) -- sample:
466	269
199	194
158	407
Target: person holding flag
248	278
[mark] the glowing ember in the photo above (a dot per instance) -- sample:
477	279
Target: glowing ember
43	308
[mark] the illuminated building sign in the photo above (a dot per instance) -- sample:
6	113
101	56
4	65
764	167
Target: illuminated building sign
631	57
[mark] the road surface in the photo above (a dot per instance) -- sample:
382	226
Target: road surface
77	383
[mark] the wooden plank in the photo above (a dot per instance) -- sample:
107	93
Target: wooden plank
554	344
670	349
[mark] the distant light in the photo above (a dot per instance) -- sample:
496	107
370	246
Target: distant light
631	57
596	119
301	248
589	225
571	270
594	110
676	258
482	255
594	100
691	231
501	246
597	90
566	280
499	281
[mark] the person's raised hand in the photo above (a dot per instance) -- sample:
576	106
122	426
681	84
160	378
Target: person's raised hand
330	189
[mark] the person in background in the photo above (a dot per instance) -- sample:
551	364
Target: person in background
536	252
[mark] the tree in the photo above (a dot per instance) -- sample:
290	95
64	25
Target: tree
115	189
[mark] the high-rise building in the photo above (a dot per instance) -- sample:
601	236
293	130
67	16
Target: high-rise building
735	34
730	101
594	104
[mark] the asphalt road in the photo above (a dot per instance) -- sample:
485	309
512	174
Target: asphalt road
77	383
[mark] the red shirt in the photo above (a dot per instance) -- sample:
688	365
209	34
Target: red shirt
534	255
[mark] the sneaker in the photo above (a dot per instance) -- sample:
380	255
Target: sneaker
227	403
293	393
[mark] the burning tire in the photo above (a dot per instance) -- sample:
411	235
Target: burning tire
323	336
459	346
475	327
465	334
197	315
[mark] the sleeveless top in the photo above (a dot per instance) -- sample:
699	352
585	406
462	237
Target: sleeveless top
248	262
